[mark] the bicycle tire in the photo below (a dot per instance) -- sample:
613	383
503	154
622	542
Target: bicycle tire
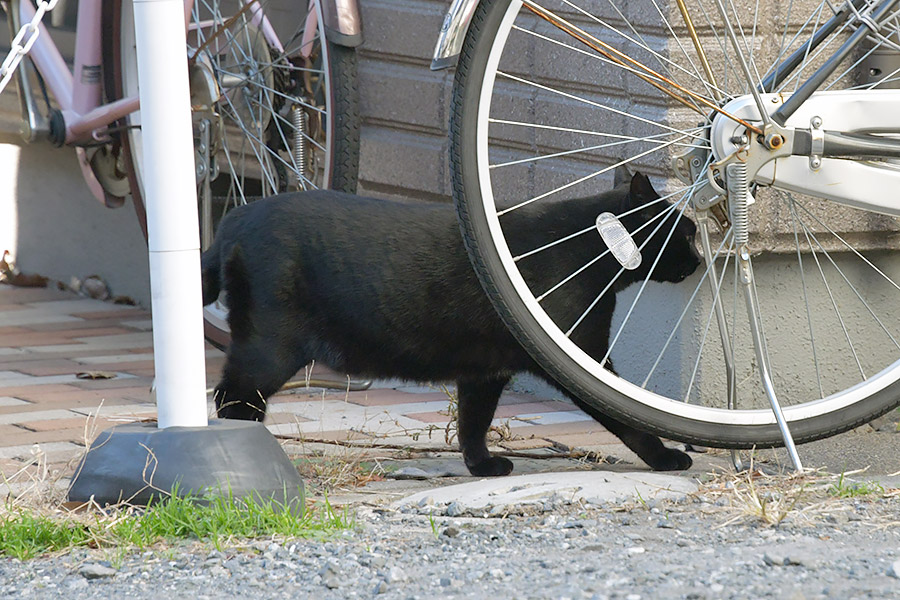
476	132
324	90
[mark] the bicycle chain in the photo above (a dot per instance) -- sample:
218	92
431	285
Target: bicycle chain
19	49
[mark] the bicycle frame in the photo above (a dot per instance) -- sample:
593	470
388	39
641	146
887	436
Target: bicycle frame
852	139
83	119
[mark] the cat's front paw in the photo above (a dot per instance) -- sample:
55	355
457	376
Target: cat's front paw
671	460
495	466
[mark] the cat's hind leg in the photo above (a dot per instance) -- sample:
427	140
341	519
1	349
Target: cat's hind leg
477	402
252	373
647	446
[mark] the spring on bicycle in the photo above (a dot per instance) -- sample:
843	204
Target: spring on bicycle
739	200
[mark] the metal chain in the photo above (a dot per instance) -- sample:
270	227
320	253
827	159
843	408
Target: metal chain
20	45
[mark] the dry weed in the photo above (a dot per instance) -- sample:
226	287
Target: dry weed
753	496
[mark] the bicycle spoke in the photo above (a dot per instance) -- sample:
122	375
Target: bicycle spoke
643	286
591	262
809	320
709	320
689	303
582	179
533	159
848	282
834	305
645	73
603	292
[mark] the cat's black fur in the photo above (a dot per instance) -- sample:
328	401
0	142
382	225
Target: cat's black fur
385	289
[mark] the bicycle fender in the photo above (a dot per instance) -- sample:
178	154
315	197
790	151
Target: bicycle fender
453	32
343	25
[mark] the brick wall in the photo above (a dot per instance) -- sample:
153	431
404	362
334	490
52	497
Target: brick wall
404	105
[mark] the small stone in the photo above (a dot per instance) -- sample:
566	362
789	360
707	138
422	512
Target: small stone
95	287
410	473
95	571
665	523
636	550
495	574
381	587
774	560
894	569
445	582
451	531
454	509
396	575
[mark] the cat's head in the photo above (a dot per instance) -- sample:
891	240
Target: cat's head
679	258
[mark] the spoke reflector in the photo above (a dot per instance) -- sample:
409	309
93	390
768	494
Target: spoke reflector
619	241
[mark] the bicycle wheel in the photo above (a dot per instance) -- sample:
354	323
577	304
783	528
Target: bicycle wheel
271	112
543	111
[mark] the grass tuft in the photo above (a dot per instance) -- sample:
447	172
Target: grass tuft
216	520
844	488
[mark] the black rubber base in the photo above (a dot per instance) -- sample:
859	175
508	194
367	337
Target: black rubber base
134	462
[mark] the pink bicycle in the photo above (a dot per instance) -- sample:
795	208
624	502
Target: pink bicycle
273	100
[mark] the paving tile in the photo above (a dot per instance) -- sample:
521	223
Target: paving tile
138	381
51	366
23	380
140	411
81	305
338	435
513	398
33	316
128	355
40	396
431	417
510	410
526	444
586	440
34	415
75	422
547	419
389	397
6	432
551	431
274	418
75	435
134	313
25	392
50	449
22	295
12	330
10	401
33	338
103	342
82	325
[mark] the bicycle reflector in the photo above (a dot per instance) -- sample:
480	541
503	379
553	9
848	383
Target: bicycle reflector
619	241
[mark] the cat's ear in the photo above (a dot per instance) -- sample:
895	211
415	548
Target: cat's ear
642	188
621	176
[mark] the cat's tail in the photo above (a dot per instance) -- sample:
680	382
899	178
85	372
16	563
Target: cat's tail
211	272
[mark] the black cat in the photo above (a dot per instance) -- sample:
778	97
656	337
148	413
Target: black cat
385	289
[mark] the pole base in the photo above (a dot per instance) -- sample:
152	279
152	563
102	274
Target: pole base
138	461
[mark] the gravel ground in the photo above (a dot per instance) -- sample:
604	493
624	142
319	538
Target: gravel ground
707	545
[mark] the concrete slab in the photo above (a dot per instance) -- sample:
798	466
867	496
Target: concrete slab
585	486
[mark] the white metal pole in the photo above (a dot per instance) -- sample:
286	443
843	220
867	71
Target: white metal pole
172	222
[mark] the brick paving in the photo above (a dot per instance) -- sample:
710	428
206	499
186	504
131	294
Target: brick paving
71	366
